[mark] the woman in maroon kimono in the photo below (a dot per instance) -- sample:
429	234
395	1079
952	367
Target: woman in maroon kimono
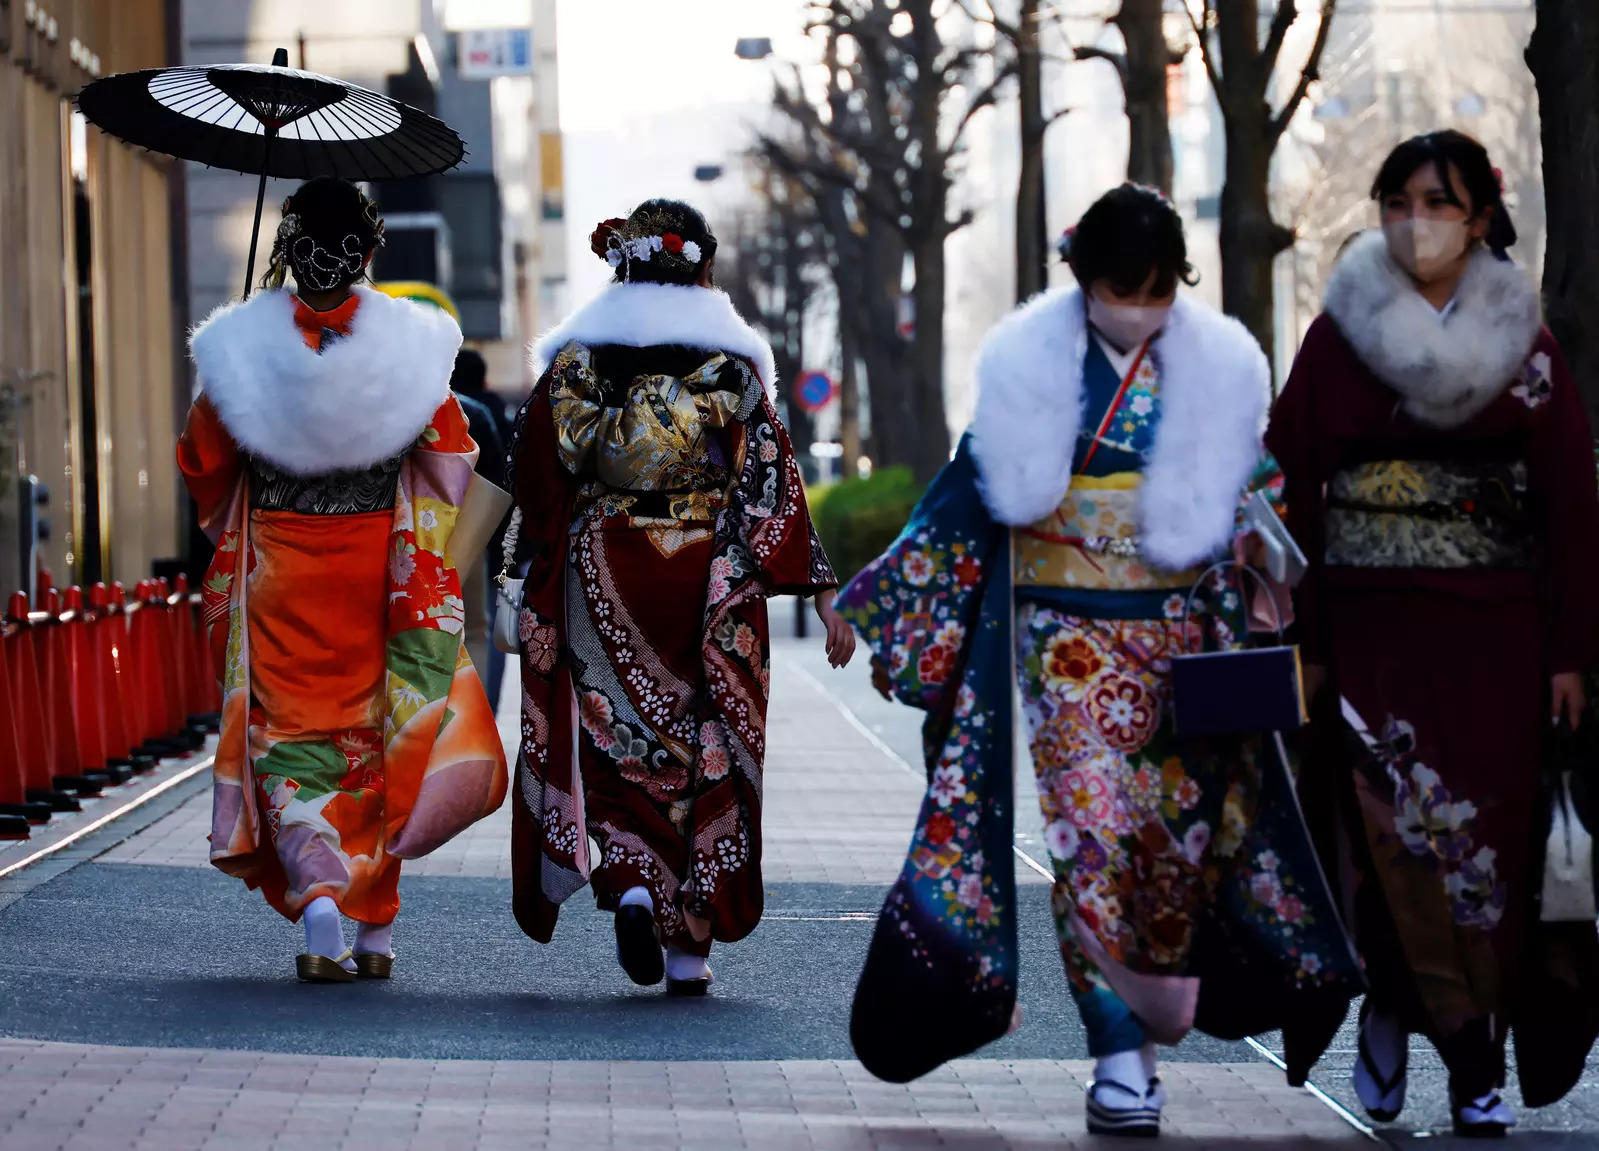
660	494
1440	473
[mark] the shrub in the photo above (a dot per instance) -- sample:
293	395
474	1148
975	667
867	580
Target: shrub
858	518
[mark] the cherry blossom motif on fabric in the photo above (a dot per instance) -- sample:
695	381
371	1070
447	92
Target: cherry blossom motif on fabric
940	975
442	761
1144	830
685	730
1436	830
936	611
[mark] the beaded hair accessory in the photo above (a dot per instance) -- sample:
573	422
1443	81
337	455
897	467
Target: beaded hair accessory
316	267
643	238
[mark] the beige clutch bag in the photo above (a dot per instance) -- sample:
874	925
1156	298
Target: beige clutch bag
483	510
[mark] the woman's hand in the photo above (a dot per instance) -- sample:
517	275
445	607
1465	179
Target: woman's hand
1312	678
840	636
1250	549
1567	699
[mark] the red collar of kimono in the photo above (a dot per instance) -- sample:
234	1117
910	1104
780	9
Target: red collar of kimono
312	322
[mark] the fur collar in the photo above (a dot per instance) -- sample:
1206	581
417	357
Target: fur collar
364	398
646	315
1215	386
1446	370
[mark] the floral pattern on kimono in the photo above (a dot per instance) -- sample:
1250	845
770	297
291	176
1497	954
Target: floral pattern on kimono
644	723
937	612
433	763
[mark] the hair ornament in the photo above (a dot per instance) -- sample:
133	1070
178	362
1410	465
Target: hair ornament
600	239
611	242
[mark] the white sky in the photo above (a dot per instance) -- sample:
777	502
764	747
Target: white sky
649	90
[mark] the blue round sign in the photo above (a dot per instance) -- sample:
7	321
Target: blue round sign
813	391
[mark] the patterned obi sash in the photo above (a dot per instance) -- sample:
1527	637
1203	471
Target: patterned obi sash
1433	514
1090	541
596	501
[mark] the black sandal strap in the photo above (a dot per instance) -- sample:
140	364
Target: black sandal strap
1386	1085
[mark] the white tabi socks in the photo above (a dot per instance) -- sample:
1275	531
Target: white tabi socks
680	965
324	930
372	939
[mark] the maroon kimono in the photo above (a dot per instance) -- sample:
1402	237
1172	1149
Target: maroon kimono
1452	569
662	500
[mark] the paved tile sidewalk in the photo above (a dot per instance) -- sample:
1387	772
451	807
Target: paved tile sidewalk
81	1098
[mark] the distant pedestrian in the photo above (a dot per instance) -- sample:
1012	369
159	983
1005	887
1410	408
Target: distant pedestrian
467	384
328	461
1440	475
1116	437
660	495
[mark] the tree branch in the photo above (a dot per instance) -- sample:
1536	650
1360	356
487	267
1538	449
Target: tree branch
1117	60
982	100
1311	70
1201	24
1281	21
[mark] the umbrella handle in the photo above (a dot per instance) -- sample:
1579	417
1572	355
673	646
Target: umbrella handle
260	197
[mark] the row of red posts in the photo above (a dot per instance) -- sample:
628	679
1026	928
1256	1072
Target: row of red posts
97	687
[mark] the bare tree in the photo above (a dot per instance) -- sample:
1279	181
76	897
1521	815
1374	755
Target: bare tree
1564	57
1241	70
1141	67
775	273
889	138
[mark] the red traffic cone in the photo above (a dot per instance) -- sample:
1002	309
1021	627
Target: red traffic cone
27	699
108	629
88	704
13	781
55	684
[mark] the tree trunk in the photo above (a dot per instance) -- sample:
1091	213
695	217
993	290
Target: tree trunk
849	405
1149	156
931	448
1250	238
1564	58
1032	227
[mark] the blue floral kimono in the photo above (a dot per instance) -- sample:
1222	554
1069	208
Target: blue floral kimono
1187	892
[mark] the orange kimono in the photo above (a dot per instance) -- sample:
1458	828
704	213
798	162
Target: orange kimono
329	461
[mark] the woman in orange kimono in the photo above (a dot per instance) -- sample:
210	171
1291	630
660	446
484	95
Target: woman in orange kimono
329	462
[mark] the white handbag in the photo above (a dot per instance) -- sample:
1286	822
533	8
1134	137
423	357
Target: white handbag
508	596
1568	877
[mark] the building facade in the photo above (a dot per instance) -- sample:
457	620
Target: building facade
92	304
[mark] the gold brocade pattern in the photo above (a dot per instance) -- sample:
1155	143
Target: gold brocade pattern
1100	514
1430	514
647	447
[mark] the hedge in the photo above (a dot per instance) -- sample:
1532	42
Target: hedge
858	518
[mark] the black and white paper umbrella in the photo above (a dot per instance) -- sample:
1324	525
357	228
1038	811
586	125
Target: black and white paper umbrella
272	121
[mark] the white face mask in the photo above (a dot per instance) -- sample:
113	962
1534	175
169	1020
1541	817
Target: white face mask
1425	247
1125	325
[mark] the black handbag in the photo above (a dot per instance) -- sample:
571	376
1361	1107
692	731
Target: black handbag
1241	691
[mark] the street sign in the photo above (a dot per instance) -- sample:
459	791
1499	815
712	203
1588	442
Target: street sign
813	391
489	52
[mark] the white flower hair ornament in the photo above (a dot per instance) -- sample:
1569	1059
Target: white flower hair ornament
616	249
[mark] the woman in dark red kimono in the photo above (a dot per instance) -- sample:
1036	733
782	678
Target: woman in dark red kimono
660	494
1440	474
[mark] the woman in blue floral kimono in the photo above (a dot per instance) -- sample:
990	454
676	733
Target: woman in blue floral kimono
1117	431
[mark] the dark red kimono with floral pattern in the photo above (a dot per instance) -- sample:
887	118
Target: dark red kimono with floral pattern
1451	573
645	654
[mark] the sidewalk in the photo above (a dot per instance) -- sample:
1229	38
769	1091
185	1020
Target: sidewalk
484	1039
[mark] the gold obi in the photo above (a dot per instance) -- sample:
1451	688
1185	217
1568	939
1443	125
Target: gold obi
1091	542
650	447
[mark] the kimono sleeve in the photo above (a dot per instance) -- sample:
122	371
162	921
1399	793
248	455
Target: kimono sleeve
777	529
1291	438
1561	470
917	604
211	464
